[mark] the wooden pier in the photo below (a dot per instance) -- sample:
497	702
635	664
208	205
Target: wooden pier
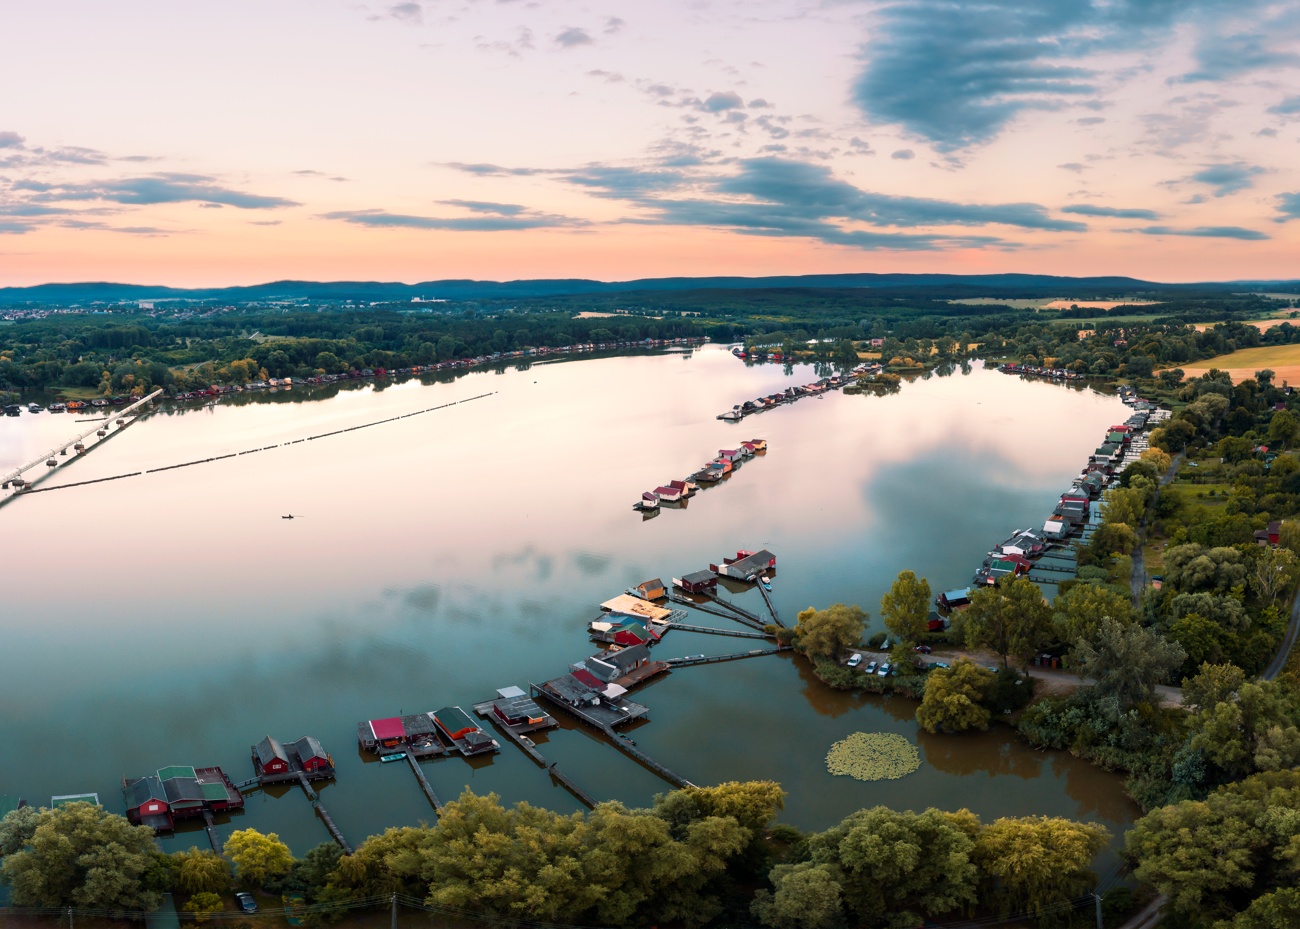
210	827
335	832
101	425
628	747
771	607
711	630
740	611
718	611
601	716
424	782
529	748
568	784
714	659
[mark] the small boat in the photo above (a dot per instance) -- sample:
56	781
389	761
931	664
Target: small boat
767	585
395	756
34	408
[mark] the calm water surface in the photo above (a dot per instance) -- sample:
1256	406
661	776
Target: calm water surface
175	618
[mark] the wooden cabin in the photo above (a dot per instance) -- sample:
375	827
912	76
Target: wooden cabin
146	802
311	755
697	582
513	707
269	757
385	733
746	566
650	590
668	494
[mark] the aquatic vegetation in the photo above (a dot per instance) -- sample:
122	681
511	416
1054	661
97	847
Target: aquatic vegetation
873	756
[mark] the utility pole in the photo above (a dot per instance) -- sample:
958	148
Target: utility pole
394	919
1097	899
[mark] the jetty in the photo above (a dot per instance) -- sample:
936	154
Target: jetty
50	458
210	827
573	788
767	598
713	630
735	656
424	782
627	746
513	704
745	615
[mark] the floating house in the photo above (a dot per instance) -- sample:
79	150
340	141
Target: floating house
649	590
269	757
612	665
746	566
648	501
312	757
668	494
697	582
74	798
954	599
456	727
517	710
178	792
627	633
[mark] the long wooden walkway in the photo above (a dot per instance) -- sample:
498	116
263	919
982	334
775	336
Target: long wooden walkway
714	659
628	747
210	827
424	782
771	607
335	832
62	449
738	610
712	630
569	785
529	748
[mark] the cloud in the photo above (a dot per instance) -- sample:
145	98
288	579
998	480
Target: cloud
1288	205
1184	121
483	206
154	189
11	139
572	37
1288	106
783	197
1085	209
613	25
903	154
1227	178
1209	232
409	13
1220	57
485	223
957	73
1090	120
758	103
1073	166
490	170
722	100
610	77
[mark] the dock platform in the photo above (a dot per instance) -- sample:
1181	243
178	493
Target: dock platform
744	614
335	832
711	630
602	716
627	746
528	747
771	607
736	656
424	782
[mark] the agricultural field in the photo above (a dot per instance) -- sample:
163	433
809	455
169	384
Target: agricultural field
1282	360
1261	324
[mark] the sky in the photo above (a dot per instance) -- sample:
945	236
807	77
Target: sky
211	144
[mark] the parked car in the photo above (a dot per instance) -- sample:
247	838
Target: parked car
855	659
924	649
885	670
870	668
246	902
940	664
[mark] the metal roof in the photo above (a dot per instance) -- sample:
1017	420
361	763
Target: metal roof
387	729
307	748
139	791
269	750
175	770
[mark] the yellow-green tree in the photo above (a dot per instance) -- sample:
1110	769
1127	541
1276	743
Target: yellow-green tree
1031	863
905	606
201	870
954	698
826	633
204	905
258	857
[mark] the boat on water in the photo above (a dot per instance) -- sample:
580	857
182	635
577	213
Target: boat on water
34	408
767	585
395	756
58	407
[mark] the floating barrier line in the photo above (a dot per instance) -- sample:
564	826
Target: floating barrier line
251	451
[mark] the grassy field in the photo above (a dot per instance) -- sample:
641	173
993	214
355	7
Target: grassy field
1260	324
1282	360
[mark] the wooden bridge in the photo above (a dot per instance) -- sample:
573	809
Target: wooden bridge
771	607
712	630
424	782
626	745
335	832
101	425
744	614
718	611
714	659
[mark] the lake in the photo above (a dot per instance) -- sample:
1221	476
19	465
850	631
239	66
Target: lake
176	618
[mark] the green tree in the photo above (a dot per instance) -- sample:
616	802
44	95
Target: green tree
80	855
1077	613
955	698
1032	863
1277	910
1125	662
1273	572
1213	858
1255	729
257	857
200	870
17	829
1011	618
1124	505
1283	428
905	607
1212	684
826	633
895	868
803	896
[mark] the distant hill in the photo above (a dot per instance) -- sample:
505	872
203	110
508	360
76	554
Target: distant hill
1005	285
